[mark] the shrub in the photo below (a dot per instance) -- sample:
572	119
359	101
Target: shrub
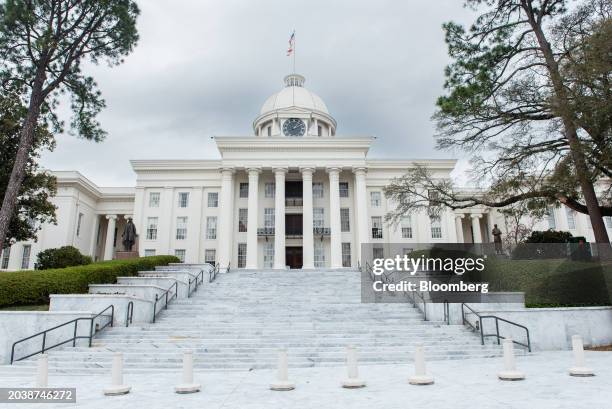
34	287
543	245
66	256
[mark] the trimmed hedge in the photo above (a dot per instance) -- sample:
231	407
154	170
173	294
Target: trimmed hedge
34	287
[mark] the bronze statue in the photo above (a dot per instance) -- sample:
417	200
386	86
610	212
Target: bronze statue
129	235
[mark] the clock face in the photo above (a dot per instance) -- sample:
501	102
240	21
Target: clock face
294	127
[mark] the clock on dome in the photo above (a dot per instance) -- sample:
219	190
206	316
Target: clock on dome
294	127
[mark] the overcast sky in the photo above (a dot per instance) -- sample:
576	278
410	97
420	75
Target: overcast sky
204	68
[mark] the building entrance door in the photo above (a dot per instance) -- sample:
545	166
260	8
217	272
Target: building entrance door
293	257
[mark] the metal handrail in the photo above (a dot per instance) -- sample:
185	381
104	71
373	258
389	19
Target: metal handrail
74	336
129	313
212	274
199	276
167	300
446	312
478	326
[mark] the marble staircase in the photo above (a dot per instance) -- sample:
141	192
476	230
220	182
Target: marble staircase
239	321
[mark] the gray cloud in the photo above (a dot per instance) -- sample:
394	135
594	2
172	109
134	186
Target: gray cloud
204	68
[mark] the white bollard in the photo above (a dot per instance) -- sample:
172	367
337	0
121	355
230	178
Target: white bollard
282	383
580	368
352	370
420	376
187	386
42	371
117	387
510	373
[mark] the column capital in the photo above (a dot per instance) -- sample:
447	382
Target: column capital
253	170
111	216
227	170
280	169
476	215
360	170
459	215
128	216
307	170
333	170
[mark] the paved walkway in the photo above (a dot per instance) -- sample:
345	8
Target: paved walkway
459	384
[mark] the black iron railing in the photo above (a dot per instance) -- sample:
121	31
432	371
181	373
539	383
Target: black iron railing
321	231
93	330
265	231
294	201
377	233
477	326
129	314
195	282
167	296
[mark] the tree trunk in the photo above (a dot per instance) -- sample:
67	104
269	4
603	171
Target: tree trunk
588	190
26	140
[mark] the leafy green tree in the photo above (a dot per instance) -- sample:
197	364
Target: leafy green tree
33	206
528	96
43	44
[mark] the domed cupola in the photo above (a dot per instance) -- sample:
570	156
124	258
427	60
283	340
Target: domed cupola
294	111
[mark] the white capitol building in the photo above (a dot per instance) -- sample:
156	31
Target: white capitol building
295	194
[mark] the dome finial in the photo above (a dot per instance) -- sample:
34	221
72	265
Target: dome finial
294	80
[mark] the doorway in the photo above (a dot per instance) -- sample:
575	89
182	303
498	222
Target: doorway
293	257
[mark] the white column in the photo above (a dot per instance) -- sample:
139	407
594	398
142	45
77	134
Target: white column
94	236
279	219
459	228
110	236
476	227
334	217
225	225
307	238
252	217
361	204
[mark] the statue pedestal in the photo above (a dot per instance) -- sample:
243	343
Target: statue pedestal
124	255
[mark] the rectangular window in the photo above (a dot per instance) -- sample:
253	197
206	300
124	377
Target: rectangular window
318	217
243	215
319	254
25	256
317	190
378	252
79	222
346	254
6	254
210	256
211	227
242	250
269	218
152	228
183	199
269	130
154	199
375	199
436	227
406	224
244	189
345	223
270	189
550	217
319	130
377	231
268	254
149	252
433	195
609	222
344	189
181	228
571	219
213	199
180	253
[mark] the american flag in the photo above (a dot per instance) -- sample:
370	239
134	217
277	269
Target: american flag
291	43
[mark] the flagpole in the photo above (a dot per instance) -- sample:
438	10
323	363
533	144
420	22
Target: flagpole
294	48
